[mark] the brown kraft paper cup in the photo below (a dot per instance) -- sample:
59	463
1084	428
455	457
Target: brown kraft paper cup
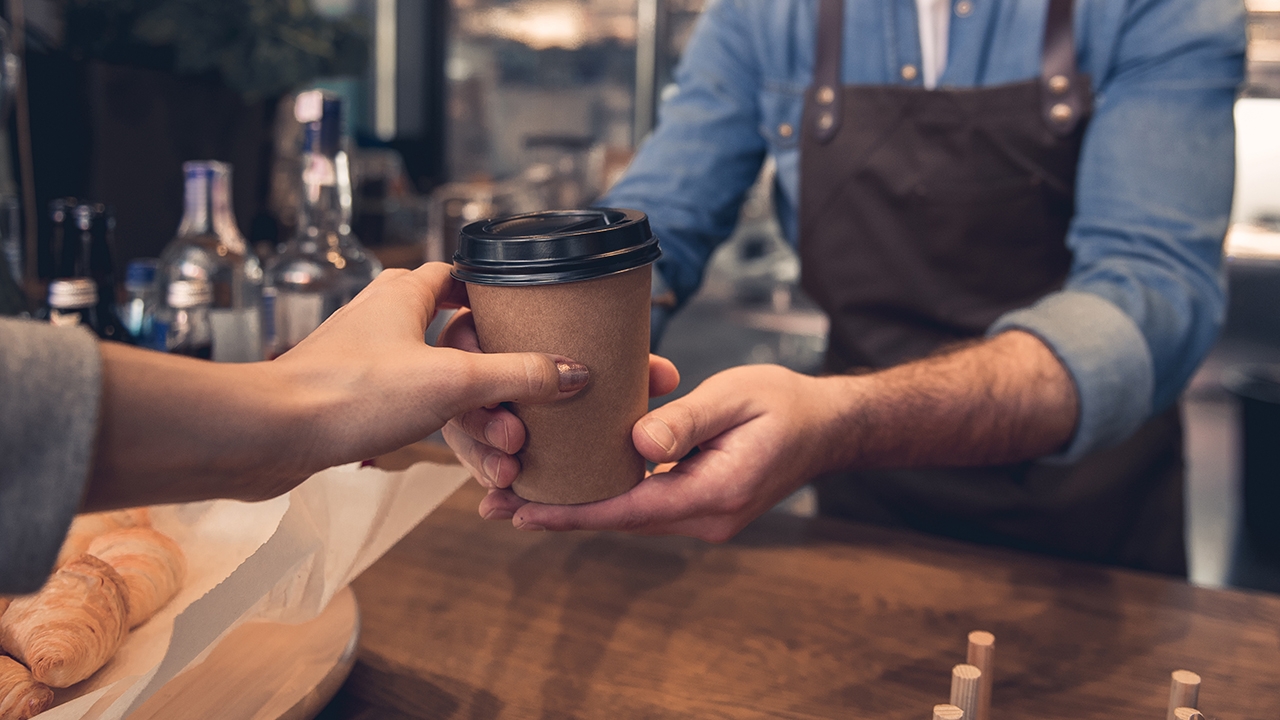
577	450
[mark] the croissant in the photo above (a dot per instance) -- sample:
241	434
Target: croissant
72	627
151	564
84	528
4	603
21	697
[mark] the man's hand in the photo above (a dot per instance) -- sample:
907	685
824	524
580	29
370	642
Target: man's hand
760	431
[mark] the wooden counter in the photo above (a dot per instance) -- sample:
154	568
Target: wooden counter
794	618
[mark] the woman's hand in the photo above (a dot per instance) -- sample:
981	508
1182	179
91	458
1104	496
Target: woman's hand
382	387
174	429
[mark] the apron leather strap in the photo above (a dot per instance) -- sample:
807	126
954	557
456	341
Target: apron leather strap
1064	91
824	93
1064	95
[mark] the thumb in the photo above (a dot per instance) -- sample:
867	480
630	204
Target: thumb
675	429
520	377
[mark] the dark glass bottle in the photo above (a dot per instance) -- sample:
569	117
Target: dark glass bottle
84	234
74	301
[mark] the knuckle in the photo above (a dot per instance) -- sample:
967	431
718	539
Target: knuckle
539	376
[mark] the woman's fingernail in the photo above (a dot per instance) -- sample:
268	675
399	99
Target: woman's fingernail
660	433
573	375
492	466
498	514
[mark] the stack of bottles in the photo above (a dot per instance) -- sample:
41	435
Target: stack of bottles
208	296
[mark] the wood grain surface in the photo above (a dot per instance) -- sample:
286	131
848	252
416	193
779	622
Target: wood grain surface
794	619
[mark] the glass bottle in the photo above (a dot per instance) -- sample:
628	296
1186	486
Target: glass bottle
323	266
75	301
209	248
84	231
185	320
142	299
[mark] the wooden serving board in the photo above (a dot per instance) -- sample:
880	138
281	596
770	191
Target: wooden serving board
266	671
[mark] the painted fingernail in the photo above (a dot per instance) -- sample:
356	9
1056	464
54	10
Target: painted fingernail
573	375
659	432
498	514
531	527
495	433
492	465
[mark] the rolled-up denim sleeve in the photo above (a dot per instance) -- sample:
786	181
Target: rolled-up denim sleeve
1145	299
50	387
691	174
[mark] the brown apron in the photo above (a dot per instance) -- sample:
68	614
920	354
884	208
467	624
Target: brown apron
924	216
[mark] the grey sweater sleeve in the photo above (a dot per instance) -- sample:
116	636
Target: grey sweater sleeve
50	388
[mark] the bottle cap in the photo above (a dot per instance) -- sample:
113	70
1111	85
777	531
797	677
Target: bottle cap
320	112
555	246
188	294
140	274
73	293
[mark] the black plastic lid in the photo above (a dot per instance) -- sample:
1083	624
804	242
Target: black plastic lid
555	246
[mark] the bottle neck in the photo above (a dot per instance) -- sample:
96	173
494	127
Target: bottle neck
325	211
208	209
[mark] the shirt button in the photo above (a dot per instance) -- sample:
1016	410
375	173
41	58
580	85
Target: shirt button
909	72
785	130
964	8
826	95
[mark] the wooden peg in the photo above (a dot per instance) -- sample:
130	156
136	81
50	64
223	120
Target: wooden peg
1186	713
1184	691
982	653
965	680
947	712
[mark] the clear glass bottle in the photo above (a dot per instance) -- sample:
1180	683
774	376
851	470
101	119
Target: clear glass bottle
210	248
142	299
185	320
323	265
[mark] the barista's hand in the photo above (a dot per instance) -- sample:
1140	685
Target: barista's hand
760	434
486	440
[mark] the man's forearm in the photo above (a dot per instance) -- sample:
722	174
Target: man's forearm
1006	399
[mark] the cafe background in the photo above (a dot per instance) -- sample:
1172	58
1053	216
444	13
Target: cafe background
473	108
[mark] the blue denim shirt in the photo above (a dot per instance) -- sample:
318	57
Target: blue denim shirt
1145	296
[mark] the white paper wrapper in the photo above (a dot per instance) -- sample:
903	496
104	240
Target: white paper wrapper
280	560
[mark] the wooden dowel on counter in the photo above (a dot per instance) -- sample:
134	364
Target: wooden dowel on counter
947	712
1184	691
982	655
1186	713
965	680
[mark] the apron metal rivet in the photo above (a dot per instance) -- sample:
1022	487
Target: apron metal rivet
784	130
963	8
826	95
1060	112
825	121
909	72
1059	84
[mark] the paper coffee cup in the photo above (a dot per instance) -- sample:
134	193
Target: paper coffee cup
576	284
